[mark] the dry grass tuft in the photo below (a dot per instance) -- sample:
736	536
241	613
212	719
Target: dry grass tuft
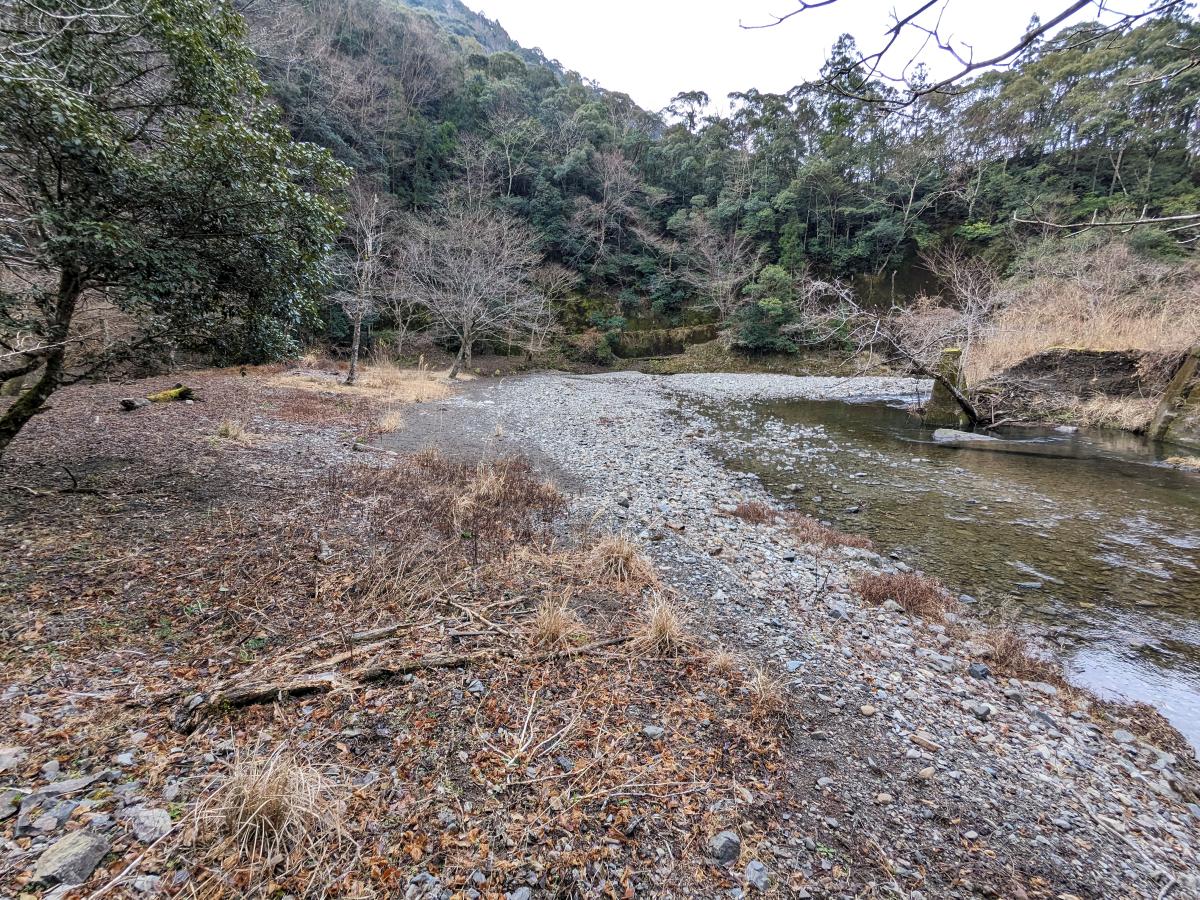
1011	653
271	809
616	558
1187	463
661	631
389	420
1125	413
722	661
918	594
756	512
768	695
380	380
233	430
808	530
554	625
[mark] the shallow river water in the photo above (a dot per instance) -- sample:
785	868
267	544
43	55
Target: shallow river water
1097	539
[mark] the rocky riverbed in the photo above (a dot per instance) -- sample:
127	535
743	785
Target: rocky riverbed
909	736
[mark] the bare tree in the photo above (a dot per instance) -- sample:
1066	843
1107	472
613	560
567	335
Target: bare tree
555	283
899	61
973	285
366	233
723	262
515	137
471	267
604	220
916	333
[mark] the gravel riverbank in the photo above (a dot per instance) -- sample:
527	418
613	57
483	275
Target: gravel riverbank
982	785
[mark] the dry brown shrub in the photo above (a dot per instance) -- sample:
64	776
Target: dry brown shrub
722	661
378	380
494	505
756	512
1011	654
554	625
616	558
389	420
232	430
768	695
661	631
918	594
808	530
272	811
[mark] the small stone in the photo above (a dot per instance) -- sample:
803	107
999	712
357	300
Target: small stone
979	670
981	711
757	875
725	847
925	741
1121	736
476	687
884	798
71	859
971	835
867	709
892	606
12	757
521	893
653	732
146	884
793	665
148	824
927	773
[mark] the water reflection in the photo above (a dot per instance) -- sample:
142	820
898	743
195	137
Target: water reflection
1089	535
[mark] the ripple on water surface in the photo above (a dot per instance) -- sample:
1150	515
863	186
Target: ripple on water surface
1097	540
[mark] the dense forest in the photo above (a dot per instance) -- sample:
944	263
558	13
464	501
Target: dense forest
660	209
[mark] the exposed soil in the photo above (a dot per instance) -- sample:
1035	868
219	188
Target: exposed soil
1051	386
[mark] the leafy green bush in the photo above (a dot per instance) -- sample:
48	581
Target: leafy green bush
756	326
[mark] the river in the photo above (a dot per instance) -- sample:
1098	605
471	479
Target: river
1098	541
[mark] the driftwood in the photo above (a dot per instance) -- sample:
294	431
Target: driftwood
199	707
179	392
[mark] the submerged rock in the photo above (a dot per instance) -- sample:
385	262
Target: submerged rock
953	435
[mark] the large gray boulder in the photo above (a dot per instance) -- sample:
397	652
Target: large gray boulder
71	859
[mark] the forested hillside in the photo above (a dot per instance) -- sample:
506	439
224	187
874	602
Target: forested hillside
660	210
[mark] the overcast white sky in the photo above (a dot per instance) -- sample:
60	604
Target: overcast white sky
653	49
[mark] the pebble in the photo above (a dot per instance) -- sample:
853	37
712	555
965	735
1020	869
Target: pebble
725	847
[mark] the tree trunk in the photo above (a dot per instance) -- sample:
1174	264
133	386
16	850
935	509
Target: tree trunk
70	286
458	360
355	342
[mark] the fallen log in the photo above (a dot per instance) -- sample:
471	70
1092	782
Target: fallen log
179	392
199	707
